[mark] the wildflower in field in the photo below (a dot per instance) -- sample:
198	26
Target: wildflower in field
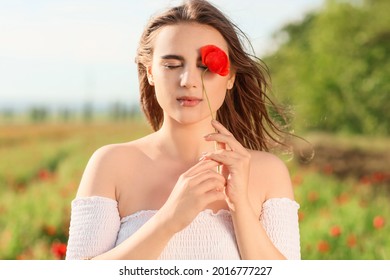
378	222
351	240
59	250
297	180
312	196
365	180
44	175
301	216
378	177
328	169
323	246
50	230
335	231
342	198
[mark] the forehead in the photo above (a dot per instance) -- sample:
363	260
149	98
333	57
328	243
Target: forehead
186	39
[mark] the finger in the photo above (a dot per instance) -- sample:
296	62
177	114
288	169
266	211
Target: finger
220	128
224	157
229	140
200	167
213	196
209	181
209	186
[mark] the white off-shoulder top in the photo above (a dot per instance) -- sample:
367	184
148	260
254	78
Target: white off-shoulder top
96	227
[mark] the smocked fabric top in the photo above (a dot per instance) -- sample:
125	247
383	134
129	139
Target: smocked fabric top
96	227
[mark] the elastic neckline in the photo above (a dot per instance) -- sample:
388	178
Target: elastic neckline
150	213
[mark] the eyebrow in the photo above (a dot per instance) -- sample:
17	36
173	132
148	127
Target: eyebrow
173	56
176	57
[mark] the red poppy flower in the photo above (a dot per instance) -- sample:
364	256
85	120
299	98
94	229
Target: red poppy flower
328	169
335	231
44	175
215	59
378	222
342	198
351	240
59	250
301	216
217	62
312	196
323	246
50	230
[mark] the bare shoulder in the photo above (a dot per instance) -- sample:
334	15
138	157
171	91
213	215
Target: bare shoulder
105	167
270	176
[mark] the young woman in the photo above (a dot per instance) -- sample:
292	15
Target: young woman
162	196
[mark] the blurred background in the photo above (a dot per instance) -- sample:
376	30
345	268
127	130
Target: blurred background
68	85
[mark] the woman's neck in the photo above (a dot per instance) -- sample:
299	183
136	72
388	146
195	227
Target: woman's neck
185	142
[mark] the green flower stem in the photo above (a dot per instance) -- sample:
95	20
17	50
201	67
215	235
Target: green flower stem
211	113
207	97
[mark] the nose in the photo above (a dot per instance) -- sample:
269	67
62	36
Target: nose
190	77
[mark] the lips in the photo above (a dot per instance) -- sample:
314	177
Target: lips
189	101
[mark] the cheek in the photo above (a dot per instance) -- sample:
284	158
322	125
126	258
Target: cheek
219	94
162	82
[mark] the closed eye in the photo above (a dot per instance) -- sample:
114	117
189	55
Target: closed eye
172	66
172	61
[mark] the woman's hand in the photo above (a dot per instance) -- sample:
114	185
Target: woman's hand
235	160
195	189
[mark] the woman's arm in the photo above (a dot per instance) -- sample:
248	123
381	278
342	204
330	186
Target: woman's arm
194	190
95	217
266	170
251	237
271	236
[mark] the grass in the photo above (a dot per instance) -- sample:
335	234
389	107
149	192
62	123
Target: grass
341	217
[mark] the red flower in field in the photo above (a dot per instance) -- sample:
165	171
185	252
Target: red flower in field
342	198
59	250
378	222
365	180
323	246
301	215
215	59
378	177
297	180
312	196
50	230
328	169
44	175
351	240
335	231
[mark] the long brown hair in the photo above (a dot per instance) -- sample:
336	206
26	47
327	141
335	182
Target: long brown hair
246	111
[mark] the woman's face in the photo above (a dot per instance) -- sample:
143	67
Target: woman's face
176	70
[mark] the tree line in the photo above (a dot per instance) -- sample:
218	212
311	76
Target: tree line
333	68
38	114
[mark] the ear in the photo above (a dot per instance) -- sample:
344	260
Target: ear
149	75
231	80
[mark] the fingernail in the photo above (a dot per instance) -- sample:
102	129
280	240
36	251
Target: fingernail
202	157
206	136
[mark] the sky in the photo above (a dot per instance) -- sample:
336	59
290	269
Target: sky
64	53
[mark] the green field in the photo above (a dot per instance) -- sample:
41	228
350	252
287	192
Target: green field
344	191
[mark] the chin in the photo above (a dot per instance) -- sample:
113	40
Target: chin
191	120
